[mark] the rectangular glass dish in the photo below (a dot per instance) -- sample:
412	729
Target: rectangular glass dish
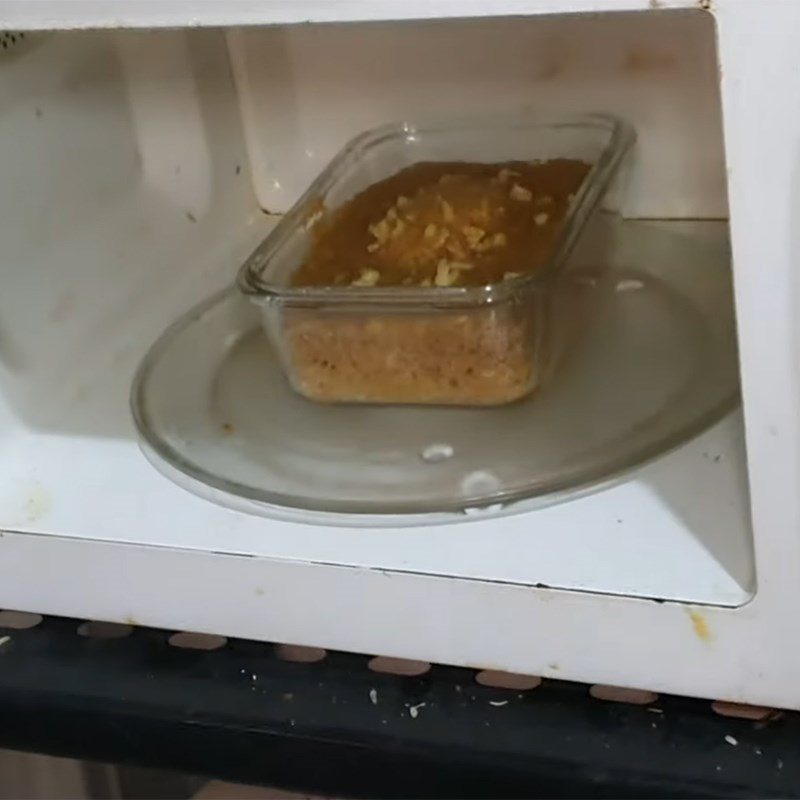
473	345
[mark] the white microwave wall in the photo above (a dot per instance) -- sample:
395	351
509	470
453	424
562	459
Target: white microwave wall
305	90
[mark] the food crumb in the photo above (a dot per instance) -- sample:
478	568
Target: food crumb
731	740
227	428
506	173
700	626
413	711
447	210
447	272
541	218
498	703
373	696
521	194
368	277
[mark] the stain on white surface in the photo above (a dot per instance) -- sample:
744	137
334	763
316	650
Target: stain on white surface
38	503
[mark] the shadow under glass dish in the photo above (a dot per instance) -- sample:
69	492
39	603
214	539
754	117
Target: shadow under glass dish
656	366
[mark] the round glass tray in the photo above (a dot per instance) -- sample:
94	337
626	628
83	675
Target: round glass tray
656	366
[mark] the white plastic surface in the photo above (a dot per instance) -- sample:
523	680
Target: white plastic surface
100	251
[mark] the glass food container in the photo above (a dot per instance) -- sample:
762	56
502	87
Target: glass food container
459	345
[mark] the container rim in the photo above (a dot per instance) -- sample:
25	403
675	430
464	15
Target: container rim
251	281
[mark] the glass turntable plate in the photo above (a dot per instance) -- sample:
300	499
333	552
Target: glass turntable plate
656	365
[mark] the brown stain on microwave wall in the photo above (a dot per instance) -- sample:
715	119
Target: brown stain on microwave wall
550	69
554	57
640	61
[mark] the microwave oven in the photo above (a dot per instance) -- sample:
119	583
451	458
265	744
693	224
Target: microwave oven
148	147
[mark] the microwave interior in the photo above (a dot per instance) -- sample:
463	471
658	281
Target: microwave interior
139	170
